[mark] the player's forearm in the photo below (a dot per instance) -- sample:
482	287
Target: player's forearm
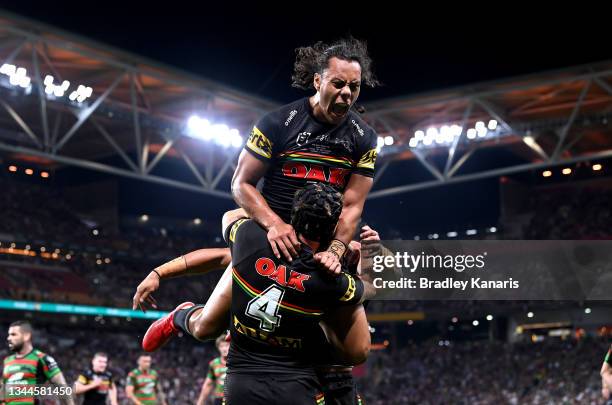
606	375
347	330
349	219
251	200
112	393
197	262
205	393
59	379
82	388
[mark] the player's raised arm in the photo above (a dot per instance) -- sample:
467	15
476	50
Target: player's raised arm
197	262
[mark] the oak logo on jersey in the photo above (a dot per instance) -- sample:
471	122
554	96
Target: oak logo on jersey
334	175
259	143
266	267
368	159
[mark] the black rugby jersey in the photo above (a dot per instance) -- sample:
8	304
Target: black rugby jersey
301	149
98	395
276	306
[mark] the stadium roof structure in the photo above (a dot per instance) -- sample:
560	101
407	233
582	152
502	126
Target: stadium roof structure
538	121
126	115
135	115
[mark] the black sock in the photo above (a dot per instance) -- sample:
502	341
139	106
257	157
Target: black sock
181	318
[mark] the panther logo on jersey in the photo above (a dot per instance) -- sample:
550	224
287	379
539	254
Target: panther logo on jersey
302	138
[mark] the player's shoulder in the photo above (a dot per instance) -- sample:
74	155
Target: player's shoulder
246	231
9	358
286	113
214	362
153	372
133	372
360	126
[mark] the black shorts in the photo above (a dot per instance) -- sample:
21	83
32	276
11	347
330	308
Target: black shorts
272	389
339	388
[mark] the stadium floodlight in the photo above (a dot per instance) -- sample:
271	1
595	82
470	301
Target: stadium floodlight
220	135
482	132
435	236
388	140
144	217
471	232
489	317
475	322
492	229
492	125
198	127
8	69
235	138
479	125
566	171
95	232
12	168
596	167
530	314
413	143
546	173
419	135
197	221
29	172
587	310
456	130
471	133
432	132
417	237
380	142
427	141
454	319
452	234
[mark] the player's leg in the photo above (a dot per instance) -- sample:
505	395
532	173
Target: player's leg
212	320
203	322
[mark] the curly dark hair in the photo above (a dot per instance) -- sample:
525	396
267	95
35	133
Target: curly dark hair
316	210
314	59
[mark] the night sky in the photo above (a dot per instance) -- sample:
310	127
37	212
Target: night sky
252	48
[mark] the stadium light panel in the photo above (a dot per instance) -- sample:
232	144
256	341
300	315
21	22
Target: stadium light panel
413	143
492	125
546	173
419	135
388	140
596	167
471	133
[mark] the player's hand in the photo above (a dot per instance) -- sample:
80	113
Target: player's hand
353	255
143	292
96	383
329	262
368	234
283	240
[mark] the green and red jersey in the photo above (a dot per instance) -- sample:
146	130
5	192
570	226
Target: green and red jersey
145	385
216	372
35	367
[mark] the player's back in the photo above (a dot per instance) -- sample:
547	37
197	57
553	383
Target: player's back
277	306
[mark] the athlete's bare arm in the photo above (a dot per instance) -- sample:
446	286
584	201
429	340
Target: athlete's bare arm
59	379
205	392
355	195
347	330
196	262
112	394
281	235
606	380
129	392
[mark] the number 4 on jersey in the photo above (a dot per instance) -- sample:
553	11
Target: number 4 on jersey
264	307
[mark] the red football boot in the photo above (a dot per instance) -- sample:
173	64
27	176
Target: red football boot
162	330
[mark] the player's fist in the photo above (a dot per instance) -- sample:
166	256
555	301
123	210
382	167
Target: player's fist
329	261
143	292
368	234
283	240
